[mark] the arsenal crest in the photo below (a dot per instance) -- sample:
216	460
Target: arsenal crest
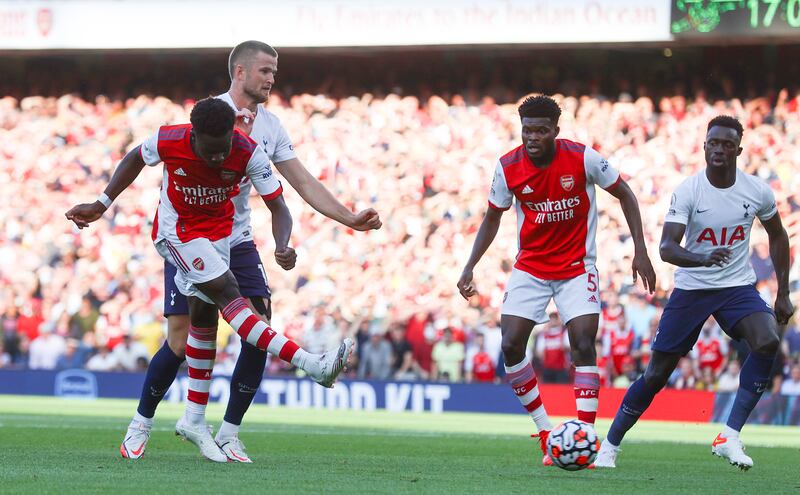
567	182
227	175
198	264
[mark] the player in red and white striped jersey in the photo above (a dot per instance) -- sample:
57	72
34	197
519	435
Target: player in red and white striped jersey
551	182
253	67
204	162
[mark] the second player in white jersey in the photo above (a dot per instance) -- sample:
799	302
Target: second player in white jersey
719	218
270	136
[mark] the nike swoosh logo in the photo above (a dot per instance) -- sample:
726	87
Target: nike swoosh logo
231	452
702	211
719	440
139	451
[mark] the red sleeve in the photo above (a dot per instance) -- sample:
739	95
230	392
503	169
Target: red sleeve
615	184
495	207
273	195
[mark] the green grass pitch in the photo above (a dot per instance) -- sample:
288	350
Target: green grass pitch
50	445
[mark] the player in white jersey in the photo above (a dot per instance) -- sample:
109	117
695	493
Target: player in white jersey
252	66
714	211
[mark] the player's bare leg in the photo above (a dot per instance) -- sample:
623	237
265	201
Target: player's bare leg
636	401
582	334
516	332
759	330
161	373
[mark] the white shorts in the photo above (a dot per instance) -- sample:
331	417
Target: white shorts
527	296
197	261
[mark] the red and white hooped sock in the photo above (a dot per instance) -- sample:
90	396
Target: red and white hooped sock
201	351
523	381
587	392
255	331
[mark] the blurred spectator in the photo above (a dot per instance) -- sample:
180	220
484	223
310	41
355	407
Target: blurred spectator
685	377
128	352
791	385
708	380
762	261
639	314
104	360
628	373
423	353
5	358
710	349
320	333
479	366
376	358
84	320
611	313
620	342
448	358
361	337
728	381
403	365
46	349
75	356
552	351
791	341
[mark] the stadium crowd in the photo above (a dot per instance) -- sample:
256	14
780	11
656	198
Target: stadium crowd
94	298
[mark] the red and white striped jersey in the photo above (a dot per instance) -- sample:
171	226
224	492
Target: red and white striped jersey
710	353
195	198
555	342
556	210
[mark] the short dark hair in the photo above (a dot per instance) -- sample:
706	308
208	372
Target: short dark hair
726	121
540	106
212	117
247	49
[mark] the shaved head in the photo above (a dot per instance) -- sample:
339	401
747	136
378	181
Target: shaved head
245	51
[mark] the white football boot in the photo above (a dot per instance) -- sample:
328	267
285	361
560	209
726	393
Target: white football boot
607	457
200	435
233	448
732	450
331	363
132	447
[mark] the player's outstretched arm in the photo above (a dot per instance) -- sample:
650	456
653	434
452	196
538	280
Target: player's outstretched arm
779	252
285	256
126	172
641	266
673	253
320	198
486	234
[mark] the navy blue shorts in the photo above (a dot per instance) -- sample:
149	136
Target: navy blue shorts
246	267
688	310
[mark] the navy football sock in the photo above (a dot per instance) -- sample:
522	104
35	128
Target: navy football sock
245	381
753	380
637	400
160	374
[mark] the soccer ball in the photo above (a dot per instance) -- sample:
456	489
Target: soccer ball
573	445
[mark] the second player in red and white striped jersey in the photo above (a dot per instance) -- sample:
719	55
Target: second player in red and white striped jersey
196	200
556	207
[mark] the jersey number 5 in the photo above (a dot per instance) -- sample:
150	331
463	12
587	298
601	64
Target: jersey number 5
592	282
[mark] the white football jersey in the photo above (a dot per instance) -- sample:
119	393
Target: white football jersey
716	218
271	137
